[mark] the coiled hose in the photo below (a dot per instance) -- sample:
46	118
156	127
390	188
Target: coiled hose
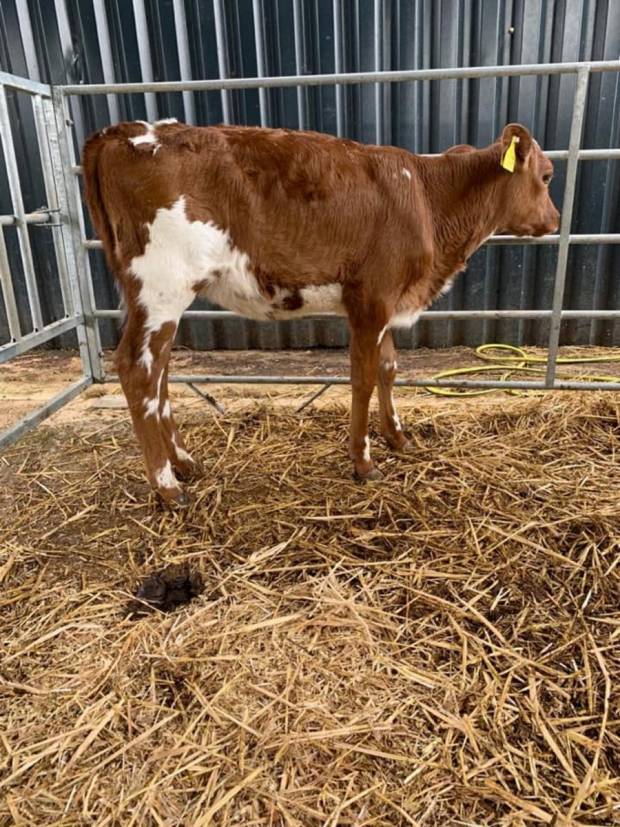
509	360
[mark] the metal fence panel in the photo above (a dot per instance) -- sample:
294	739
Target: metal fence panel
112	40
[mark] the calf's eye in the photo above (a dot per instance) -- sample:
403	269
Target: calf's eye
547	179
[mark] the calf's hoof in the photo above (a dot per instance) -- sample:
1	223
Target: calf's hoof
371	475
174	499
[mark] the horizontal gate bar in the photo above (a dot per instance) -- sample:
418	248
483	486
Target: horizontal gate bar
30	420
31	340
37	217
33	87
427	315
217	84
568	385
496	240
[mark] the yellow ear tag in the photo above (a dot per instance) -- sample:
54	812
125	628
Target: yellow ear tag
510	159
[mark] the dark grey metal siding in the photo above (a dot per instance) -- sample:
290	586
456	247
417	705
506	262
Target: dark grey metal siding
99	40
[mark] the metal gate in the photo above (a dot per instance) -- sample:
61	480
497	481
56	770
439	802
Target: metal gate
64	214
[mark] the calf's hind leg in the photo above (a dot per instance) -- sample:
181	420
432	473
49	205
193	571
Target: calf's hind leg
142	359
183	463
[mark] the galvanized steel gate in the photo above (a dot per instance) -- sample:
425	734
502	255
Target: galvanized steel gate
63	214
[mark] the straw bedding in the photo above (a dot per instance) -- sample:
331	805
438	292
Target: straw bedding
440	648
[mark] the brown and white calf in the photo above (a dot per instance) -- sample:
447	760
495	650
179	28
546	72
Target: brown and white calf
277	224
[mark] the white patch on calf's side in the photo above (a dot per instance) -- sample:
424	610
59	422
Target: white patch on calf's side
181	253
165	477
163	121
321	298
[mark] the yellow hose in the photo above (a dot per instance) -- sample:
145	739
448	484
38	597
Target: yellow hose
514	360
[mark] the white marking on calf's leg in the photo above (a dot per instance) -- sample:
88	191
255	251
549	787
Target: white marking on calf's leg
166	411
366	454
165	477
151	407
181	453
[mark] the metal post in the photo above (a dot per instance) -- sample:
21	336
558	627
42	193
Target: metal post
6	138
568	202
261	62
144	56
52	203
185	66
8	293
67	188
298	33
378	37
68	51
222	56
105	54
338	65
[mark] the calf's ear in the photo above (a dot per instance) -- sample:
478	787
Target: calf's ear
518	137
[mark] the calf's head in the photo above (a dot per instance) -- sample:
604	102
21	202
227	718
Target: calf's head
526	206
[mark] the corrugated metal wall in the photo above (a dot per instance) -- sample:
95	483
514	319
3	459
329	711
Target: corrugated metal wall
118	40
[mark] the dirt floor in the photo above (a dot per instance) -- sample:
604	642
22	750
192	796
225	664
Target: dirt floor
30	380
438	648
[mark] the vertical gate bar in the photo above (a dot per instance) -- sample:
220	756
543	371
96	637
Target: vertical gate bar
378	49
222	56
62	154
144	56
27	38
298	34
338	66
62	181
261	62
105	53
8	293
568	202
185	64
52	203
6	137
68	51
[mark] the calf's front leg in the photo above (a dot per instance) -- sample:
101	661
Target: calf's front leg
364	353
